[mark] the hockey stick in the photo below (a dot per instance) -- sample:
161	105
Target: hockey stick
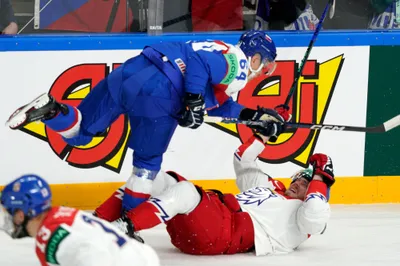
386	126
331	4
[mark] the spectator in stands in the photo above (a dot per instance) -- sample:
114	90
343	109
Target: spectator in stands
386	14
285	15
8	23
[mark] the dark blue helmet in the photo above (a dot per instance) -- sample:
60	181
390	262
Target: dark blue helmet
29	193
254	41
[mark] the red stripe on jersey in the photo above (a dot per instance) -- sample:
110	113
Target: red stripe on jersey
239	152
136	194
220	94
317	186
223	44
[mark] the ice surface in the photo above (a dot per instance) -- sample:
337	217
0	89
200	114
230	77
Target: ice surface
356	235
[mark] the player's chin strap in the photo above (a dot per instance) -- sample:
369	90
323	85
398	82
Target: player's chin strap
253	71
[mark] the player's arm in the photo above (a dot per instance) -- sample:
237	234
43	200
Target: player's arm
314	214
248	173
229	108
198	75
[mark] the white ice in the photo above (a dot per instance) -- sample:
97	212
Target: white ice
356	235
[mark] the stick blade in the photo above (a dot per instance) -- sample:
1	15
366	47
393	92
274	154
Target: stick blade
332	9
392	123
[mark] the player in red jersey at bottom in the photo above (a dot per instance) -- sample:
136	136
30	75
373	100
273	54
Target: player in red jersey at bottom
265	216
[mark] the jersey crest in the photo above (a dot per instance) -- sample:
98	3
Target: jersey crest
257	196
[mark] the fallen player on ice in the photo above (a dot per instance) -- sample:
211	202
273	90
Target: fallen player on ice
265	216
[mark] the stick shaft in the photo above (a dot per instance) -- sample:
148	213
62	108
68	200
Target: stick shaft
307	54
388	125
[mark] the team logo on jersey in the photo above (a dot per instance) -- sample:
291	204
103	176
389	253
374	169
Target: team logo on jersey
309	105
256	196
107	150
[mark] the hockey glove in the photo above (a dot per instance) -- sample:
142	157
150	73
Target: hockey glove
283	111
193	116
323	166
274	123
270	130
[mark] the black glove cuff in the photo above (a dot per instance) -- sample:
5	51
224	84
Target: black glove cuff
193	100
248	114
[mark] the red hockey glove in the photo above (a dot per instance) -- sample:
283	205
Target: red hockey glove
323	166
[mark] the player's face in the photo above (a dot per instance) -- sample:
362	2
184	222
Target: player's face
298	189
255	63
260	66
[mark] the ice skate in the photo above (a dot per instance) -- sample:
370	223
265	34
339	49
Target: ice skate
43	107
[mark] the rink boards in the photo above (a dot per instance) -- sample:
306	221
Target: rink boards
349	79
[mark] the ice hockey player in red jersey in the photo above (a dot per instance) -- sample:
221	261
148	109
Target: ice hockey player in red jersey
265	216
66	236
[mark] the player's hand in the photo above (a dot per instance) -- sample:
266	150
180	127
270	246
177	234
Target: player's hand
283	111
261	114
274	123
323	166
269	130
193	116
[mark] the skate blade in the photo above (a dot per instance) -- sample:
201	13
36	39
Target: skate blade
19	118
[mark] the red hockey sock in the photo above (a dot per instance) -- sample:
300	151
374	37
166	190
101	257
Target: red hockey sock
110	210
146	216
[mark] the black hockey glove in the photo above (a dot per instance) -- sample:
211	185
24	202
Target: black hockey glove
273	122
193	116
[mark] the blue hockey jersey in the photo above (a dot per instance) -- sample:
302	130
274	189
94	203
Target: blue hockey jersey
214	69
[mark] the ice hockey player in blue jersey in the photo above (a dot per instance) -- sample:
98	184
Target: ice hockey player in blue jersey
166	85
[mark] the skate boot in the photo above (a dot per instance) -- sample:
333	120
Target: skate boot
125	225
43	107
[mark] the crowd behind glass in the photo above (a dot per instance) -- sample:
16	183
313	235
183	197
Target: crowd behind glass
162	16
